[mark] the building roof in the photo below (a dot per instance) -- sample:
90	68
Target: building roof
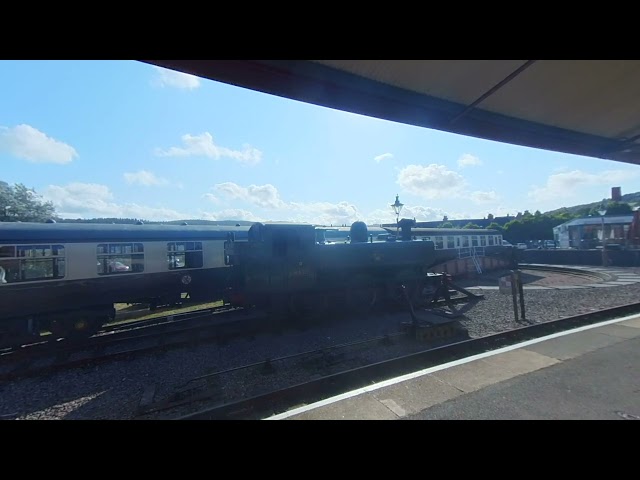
583	107
612	220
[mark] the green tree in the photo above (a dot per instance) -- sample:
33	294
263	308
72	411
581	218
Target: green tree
538	226
619	208
612	208
471	225
21	204
446	225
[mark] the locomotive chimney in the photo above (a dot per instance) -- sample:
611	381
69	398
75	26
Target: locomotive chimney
405	226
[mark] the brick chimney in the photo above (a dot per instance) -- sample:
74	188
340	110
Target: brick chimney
616	194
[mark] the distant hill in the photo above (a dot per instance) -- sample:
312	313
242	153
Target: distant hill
633	199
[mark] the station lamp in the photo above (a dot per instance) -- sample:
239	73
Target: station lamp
397	207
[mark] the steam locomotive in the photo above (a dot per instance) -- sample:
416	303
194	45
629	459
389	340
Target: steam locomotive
291	268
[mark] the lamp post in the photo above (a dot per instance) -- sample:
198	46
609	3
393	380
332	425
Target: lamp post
602	213
397	206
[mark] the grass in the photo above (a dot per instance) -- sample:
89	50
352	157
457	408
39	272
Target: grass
145	313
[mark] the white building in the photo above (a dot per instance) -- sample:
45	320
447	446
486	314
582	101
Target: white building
586	233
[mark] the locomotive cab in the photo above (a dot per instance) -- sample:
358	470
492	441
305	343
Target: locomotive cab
274	261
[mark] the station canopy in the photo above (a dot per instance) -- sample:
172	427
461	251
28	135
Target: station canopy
582	107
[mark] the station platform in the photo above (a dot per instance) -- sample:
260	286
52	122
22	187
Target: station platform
589	373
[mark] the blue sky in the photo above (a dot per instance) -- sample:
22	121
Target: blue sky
128	139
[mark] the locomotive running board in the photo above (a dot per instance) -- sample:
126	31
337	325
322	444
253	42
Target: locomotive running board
436	307
434	328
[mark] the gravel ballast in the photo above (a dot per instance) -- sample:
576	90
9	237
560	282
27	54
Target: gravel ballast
114	390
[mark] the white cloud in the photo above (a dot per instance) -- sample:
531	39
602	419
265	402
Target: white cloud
566	184
171	78
467	160
28	143
431	182
325	213
262	195
420	213
231	214
91	200
484	197
202	145
384	156
321	213
267	196
212	198
144	178
83	200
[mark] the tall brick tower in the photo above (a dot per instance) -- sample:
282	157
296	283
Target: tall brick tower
616	194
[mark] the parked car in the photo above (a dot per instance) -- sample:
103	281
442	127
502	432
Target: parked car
115	266
506	244
119	267
547	244
521	246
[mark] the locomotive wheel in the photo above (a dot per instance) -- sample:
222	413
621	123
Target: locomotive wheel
361	294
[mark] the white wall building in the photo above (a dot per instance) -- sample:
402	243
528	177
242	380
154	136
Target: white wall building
586	233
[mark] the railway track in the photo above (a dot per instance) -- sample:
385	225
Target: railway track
318	363
159	334
125	341
570	271
282	399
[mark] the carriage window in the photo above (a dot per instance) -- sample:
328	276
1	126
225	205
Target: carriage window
27	263
439	242
491	239
450	242
483	241
321	236
184	255
474	240
116	258
465	242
